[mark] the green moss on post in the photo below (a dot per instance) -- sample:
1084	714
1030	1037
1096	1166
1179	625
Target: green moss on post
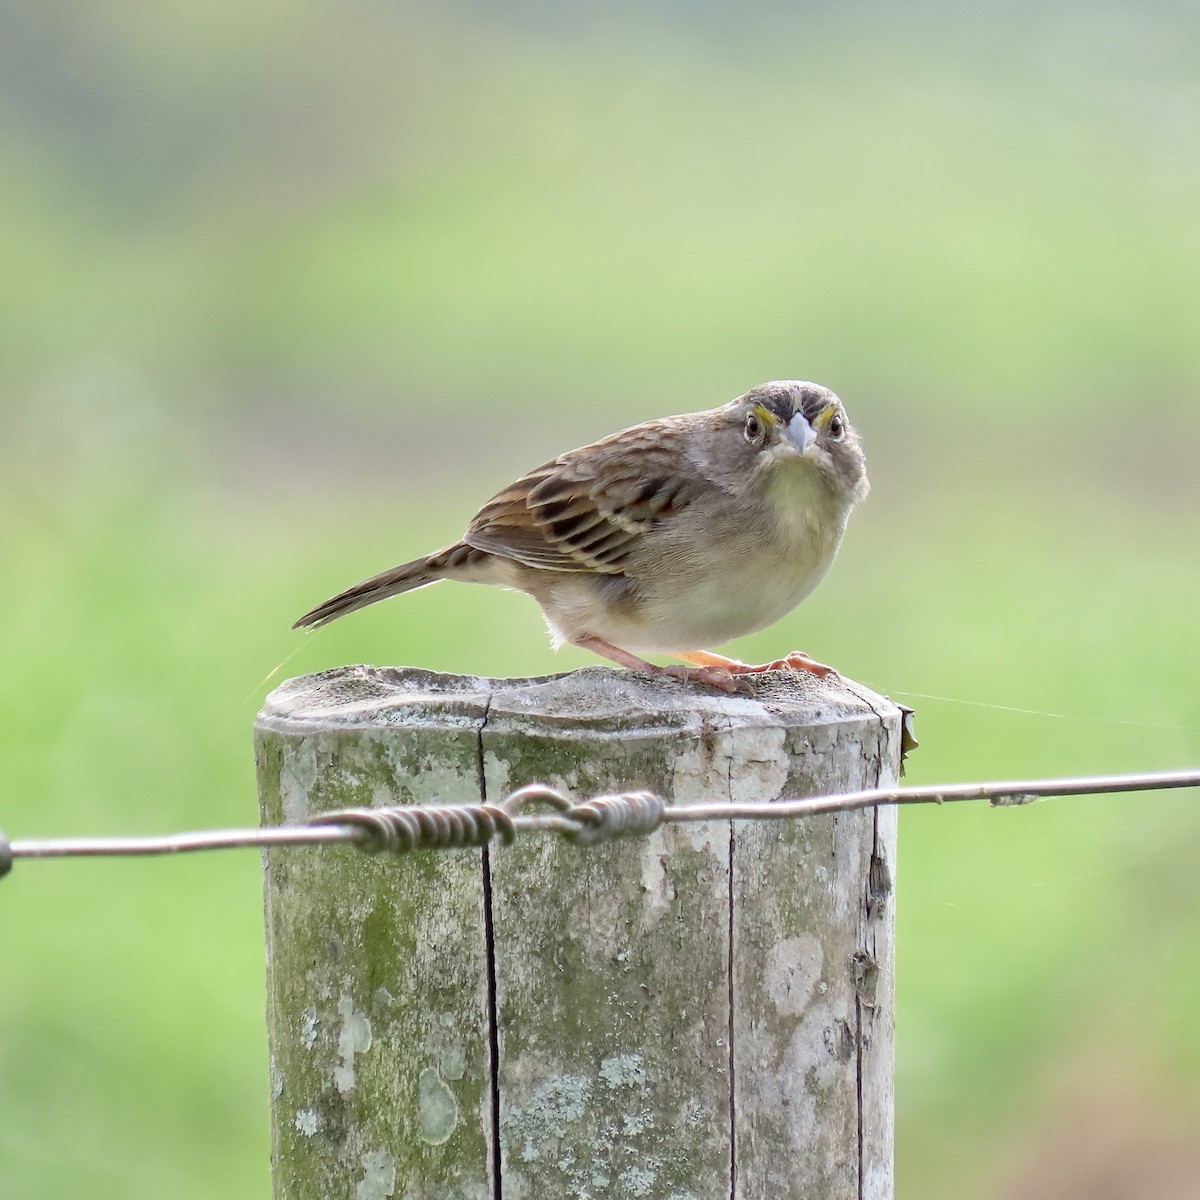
705	1012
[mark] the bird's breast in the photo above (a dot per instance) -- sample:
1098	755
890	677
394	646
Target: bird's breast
724	573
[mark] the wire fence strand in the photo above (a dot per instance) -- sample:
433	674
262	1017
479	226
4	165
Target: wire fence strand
401	829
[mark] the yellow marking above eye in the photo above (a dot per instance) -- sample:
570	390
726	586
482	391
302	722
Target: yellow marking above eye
764	414
824	416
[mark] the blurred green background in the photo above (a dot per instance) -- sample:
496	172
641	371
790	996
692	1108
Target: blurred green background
289	288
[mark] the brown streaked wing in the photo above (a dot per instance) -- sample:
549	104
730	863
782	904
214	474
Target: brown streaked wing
504	526
588	509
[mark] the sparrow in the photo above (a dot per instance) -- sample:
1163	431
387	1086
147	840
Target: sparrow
668	537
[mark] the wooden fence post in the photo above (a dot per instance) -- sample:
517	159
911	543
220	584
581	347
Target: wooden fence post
702	1013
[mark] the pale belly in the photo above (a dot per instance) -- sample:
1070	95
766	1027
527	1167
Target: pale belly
679	600
762	576
689	608
718	608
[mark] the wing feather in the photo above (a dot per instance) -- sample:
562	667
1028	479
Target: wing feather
589	509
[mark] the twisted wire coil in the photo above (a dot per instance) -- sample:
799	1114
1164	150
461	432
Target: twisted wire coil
395	829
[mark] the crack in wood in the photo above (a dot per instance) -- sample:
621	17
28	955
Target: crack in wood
732	1076
493	1017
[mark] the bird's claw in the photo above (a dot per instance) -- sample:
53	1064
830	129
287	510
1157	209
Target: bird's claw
797	660
717	677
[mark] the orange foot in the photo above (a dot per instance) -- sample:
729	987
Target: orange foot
797	660
714	673
717	677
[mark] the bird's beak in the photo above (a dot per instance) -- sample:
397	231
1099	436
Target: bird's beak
800	433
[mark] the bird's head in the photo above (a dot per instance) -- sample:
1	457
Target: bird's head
793	424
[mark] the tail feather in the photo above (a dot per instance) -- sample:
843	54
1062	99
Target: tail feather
399	579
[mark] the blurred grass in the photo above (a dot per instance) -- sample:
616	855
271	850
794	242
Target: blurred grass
288	291
135	666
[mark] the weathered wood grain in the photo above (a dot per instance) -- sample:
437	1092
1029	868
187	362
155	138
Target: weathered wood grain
705	1012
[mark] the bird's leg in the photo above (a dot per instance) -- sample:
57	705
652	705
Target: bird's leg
797	660
713	673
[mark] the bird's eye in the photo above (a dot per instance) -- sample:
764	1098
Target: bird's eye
836	426
754	428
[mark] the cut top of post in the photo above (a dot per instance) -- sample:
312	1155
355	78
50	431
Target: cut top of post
592	699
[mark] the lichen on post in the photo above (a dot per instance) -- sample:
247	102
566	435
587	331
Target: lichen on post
703	1012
